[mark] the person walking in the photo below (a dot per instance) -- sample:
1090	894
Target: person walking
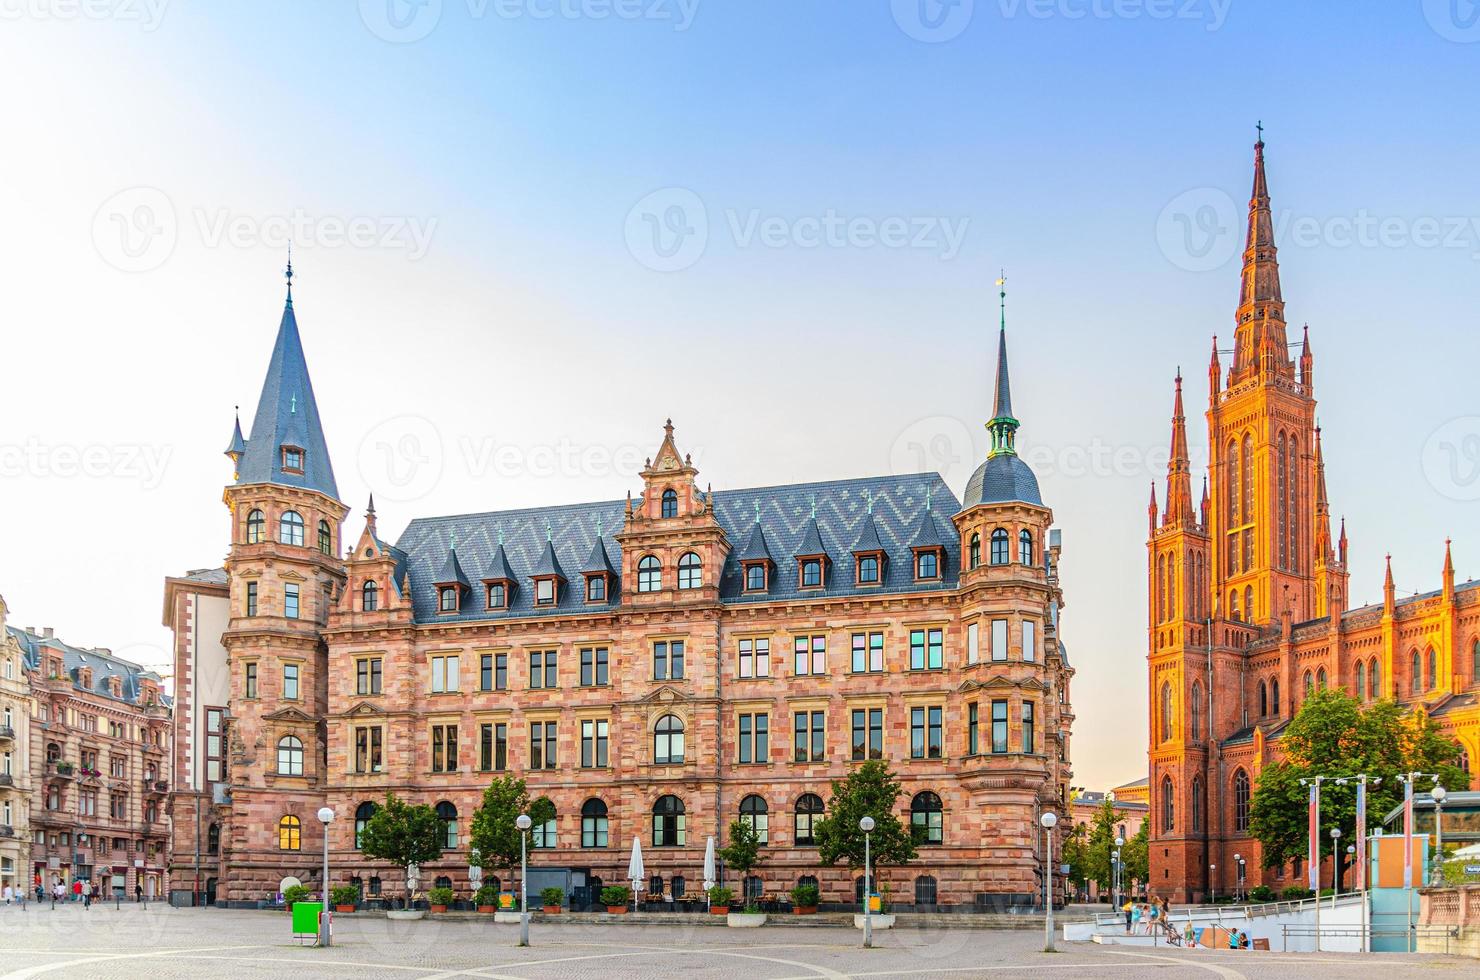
77	890
1128	908
87	891
138	892
58	893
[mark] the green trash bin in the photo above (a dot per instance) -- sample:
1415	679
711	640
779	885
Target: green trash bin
306	919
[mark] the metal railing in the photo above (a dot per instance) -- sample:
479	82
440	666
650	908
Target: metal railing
1245	912
1410	934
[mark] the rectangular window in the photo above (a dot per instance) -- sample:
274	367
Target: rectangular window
999	639
1028	740
369	756
290	681
668	660
500	671
999	726
544	592
809	739
868	653
809	655
215	745
594	667
926	650
497	595
812	574
541	669
251	680
290	601
755	738
973	643
251	598
444	674
926	740
596	588
972	734
542	745
485	672
368	675
868	734
594	741
444	748
493	747
1030	640
755	657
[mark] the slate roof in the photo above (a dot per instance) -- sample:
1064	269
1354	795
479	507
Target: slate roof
599	561
1002	478
785	517
103	665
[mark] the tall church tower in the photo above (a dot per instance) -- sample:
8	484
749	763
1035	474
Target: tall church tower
285	572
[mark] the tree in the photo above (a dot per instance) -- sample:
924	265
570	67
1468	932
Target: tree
1101	845
1076	854
743	853
1136	857
495	835
870	790
403	834
1334	735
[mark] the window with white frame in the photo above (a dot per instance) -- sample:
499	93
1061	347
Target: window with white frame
444	675
1030	640
755	657
999	639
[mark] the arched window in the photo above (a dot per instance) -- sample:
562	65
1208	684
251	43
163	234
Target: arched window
1274	696
1195	711
1233	606
1241	801
668	822
290	834
1025	547
1432	677
1374	687
1168	805
668	740
689	572
999	546
256	527
447	813
326	538
593	823
370	596
974	551
1463	760
927	818
1248	603
1197	804
808	812
924	891
649	574
213	839
753	812
1282	478
1321	679
290	528
1415	669
1246	505
1166	711
363	813
1360	685
1263	700
670	503
290	756
1475	660
1310	683
542	836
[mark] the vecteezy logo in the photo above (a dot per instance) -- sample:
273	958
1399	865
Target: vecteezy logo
932	21
401	458
1198	229
401	21
939	444
1451	458
135	230
1454	20
668	229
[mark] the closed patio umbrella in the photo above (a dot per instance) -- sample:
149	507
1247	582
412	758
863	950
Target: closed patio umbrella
635	872
708	869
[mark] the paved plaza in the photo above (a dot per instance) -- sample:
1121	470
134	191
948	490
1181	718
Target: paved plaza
160	942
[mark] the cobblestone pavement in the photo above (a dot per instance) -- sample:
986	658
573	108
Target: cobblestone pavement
159	943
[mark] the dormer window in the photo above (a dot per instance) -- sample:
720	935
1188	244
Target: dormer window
927	564
595	588
447	598
669	505
292	460
370	596
811	573
756	574
870	568
544	592
498	595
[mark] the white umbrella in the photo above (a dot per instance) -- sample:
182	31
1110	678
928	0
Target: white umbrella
708	867
635	872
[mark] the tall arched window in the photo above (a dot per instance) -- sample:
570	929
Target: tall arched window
1321	679
1274	696
593	823
1282	479
1432	677
1374	681
1246	505
363	813
1230	505
447	813
1310	684
975	553
1241	801
1263	700
649	574
668	740
1025	547
1415	669
1293	528
326	538
1168	805
808	812
689	571
999	546
290	834
753	811
670	503
370	596
1233	613
1463	760
256	527
1248	603
1166	711
927	818
1475	660
1197	804
668	822
290	756
1195	711
290	528
213	839
1161	588
1360	678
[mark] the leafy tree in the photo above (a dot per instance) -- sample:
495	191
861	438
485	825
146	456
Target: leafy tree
1100	845
495	836
403	834
870	790
743	853
1075	855
1136	856
1333	734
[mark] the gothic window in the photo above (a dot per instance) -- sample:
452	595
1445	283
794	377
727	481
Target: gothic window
689	571
1241	801
1263	700
1475	660
1195	711
1248	603
290	834
256	527
1361	678
1415	670
670	503
999	546
213	839
974	550
1293	528
808	812
927	818
370	596
1232	486
1233	606
1025	547
1246	486
1274	695
669	823
1321	679
1374	687
753	812
1161	588
1310	683
1281	484
1168	806
649	574
668	741
1197	804
290	528
326	538
1432	678
363	813
1166	711
1463	760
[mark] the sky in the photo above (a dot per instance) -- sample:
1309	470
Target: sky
525	232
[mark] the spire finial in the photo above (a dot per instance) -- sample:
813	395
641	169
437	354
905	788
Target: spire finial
929	491
288	273
370	510
452	540
500	535
869	492
814	506
1260	127
549	531
1002	299
598	525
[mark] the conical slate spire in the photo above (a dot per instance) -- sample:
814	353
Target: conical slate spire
452	573
238	446
288	418
599	562
1003	425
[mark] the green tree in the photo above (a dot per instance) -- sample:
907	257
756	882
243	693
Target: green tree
1137	858
495	835
403	834
870	790
1101	844
743	853
1334	735
1075	855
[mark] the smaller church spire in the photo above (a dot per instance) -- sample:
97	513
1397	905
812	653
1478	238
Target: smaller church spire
1215	373
1151	509
1448	572
370	516
1389	592
1179	466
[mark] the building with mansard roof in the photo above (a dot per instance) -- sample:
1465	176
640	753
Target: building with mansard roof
1248	606
657	666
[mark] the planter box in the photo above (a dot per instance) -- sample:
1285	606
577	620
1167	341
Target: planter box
880	921
487	908
552	909
745	920
405	914
344	908
617	909
506	916
719	910
804	910
439	908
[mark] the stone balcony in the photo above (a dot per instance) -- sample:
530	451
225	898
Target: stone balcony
7	734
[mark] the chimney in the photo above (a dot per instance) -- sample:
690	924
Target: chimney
48	632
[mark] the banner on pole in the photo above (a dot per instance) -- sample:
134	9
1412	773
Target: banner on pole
1361	853
1408	832
1313	872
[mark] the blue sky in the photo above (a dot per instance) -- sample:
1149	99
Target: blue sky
505	309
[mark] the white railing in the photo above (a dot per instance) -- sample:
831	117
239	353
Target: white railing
1245	912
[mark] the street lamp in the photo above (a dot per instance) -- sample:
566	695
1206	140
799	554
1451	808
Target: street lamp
1335	864
867	826
1238	867
1048	820
523	823
1115	870
326	817
1438	793
1212	884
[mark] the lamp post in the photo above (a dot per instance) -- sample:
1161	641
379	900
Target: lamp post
326	817
1115	870
523	823
1438	793
867	826
475	875
1212	884
1335	864
1048	820
1238	867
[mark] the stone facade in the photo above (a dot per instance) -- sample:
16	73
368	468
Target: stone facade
16	709
1248	601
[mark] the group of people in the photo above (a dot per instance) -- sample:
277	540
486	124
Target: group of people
82	890
1146	918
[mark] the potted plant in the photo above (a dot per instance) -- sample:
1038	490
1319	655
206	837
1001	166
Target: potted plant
804	900
743	855
439	898
719	900
344	897
615	898
553	898
294	894
486	898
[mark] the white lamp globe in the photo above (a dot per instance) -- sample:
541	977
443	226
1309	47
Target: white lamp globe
523	822
1438	793
1049	820
866	825
326	814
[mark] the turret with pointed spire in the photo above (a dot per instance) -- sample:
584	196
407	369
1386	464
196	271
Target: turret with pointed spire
1003	476
1003	426
1260	333
1179	467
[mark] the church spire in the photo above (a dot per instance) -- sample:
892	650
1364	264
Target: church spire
1261	308
1323	506
1003	426
1179	467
